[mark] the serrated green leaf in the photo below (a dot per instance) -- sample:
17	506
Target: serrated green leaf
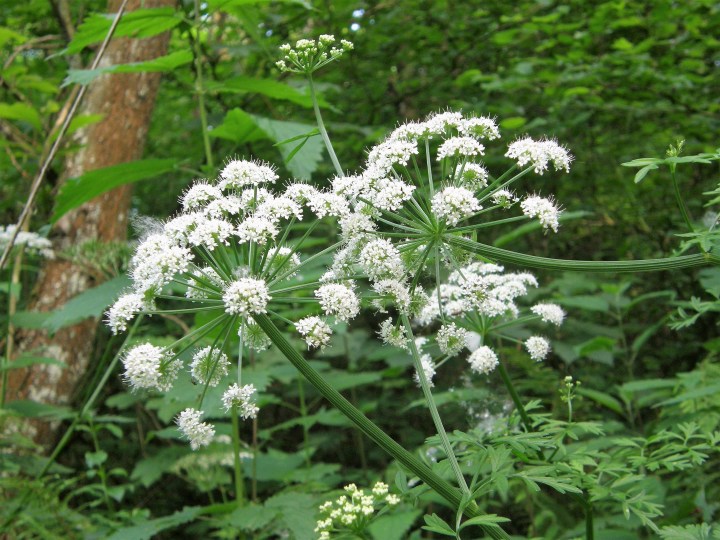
95	459
436	524
139	23
602	398
145	529
393	526
22	112
160	64
239	127
486	520
27	361
267	87
77	191
90	303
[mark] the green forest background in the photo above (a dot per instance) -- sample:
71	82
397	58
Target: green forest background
612	80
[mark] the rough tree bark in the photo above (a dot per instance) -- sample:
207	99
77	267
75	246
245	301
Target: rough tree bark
126	102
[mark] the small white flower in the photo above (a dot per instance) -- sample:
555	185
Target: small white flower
391	334
454	204
197	432
339	300
460	146
537	347
238	174
545	210
550	313
504	198
539	154
472	176
245	296
483	360
242	398
124	310
451	339
148	366
199	195
315	331
328	204
380	259
257	229
481	127
209	366
428	367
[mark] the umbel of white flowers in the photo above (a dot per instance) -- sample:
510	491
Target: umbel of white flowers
233	252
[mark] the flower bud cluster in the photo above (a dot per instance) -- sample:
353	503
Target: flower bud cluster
353	511
310	55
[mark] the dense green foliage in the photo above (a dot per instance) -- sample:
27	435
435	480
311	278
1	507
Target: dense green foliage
613	80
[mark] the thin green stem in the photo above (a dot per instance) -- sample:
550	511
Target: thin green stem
532	261
680	202
237	462
515	396
303	414
425	385
200	88
450	493
321	127
589	529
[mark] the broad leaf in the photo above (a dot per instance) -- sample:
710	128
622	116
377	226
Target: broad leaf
90	303
160	64
139	23
77	191
22	112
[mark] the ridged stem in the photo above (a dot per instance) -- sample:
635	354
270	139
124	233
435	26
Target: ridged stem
533	261
409	461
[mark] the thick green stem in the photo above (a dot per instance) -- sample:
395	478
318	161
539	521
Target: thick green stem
321	127
589	529
200	88
515	396
303	413
532	261
409	461
239	485
425	385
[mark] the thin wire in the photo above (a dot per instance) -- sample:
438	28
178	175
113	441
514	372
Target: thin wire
56	145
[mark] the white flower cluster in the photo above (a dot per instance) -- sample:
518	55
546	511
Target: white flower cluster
309	55
476	303
32	242
242	398
150	367
246	296
539	154
315	331
544	209
455	204
209	366
198	433
353	511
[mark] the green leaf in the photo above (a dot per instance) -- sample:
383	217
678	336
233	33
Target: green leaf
139	23
147	528
225	5
22	112
305	161
149	470
393	526
27	361
90	303
643	172
95	459
33	409
7	35
267	87
297	512
77	191
239	127
82	121
436	524
251	518
489	519
160	64
603	399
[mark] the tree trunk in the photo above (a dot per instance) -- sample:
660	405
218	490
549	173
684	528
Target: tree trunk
126	102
